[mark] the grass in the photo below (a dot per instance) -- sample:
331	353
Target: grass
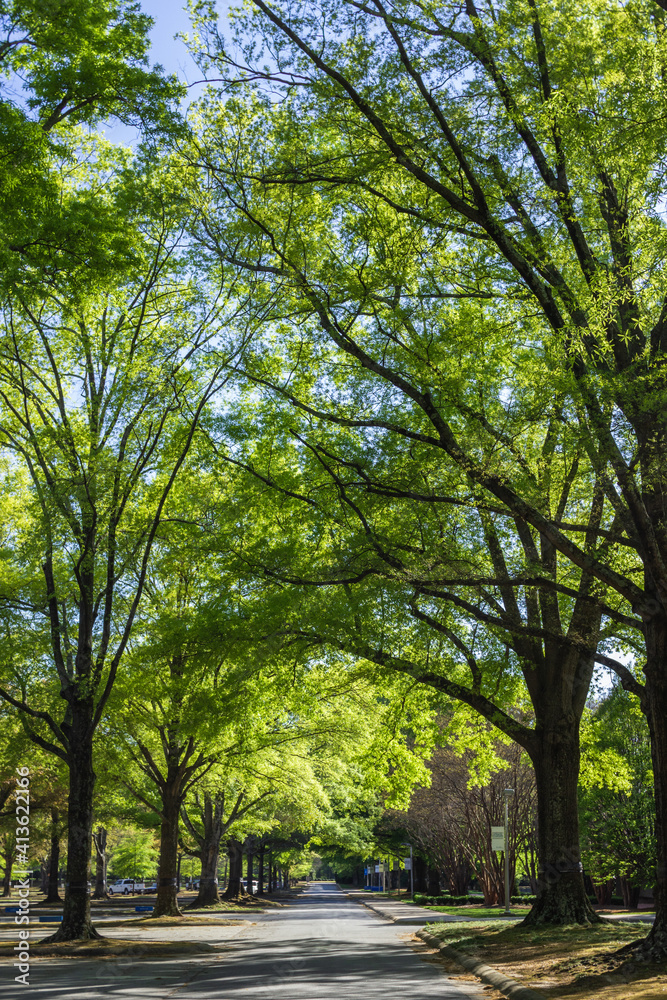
569	963
474	910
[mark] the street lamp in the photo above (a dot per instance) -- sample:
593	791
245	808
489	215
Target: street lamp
507	794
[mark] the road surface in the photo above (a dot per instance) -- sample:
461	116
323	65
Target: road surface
320	947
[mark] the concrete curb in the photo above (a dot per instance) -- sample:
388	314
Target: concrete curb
406	920
510	987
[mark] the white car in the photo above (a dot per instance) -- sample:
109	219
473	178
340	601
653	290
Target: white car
124	887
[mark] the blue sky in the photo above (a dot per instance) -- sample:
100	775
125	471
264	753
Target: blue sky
170	18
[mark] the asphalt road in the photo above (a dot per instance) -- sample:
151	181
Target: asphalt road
321	947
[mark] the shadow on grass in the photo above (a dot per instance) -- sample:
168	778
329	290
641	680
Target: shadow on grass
565	962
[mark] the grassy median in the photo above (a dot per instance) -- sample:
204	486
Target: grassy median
569	963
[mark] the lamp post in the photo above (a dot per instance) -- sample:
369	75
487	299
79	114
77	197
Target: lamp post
507	794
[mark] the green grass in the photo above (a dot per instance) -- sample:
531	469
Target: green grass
493	934
477	911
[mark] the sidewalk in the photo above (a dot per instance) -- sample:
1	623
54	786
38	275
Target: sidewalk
405	913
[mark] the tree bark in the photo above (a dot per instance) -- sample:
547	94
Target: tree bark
260	871
249	869
208	894
654	704
167	890
100	842
562	896
235	888
9	856
76	924
53	896
421	874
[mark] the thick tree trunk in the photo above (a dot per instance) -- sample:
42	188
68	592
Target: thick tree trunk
208	848
248	876
561	897
53	895
260	872
234	888
167	890
76	924
100	842
208	882
655	709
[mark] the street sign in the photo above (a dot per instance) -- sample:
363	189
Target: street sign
407	864
497	838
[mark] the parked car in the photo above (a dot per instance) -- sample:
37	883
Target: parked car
192	884
125	887
150	890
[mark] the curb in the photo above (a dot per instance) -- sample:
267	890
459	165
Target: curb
406	921
510	987
382	916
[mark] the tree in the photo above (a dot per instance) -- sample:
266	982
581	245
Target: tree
102	387
78	66
477	135
450	821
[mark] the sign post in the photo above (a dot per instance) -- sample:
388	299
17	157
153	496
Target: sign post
507	794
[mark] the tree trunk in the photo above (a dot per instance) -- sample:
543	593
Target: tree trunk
561	897
76	924
260	872
53	895
9	856
433	882
630	894
167	890
248	877
100	842
235	888
603	891
208	881
421	874
654	704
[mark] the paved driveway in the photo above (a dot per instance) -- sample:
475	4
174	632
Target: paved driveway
321	947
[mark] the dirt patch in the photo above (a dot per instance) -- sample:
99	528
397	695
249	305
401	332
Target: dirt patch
106	948
568	963
193	920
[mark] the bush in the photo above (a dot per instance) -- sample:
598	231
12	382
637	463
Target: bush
523	899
